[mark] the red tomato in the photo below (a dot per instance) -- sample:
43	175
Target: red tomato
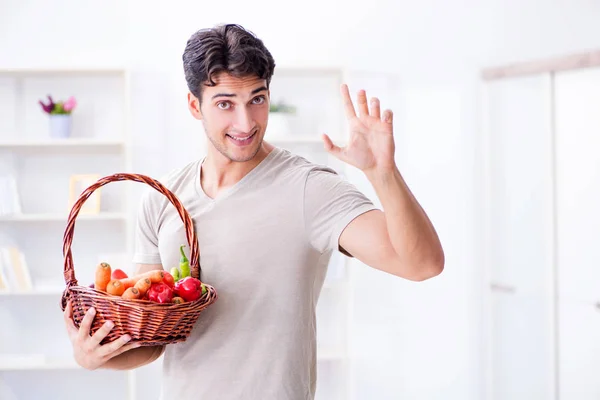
168	279
118	274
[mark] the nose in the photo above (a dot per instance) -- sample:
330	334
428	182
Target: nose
244	121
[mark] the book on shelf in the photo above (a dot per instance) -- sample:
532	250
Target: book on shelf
14	273
9	196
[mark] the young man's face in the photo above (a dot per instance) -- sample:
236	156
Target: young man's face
234	114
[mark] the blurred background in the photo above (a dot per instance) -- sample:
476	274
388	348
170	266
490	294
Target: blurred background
496	127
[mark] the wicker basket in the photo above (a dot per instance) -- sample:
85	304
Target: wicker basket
148	323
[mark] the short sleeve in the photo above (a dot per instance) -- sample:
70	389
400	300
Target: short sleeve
146	231
330	204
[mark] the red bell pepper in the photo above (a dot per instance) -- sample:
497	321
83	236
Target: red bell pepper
188	288
160	293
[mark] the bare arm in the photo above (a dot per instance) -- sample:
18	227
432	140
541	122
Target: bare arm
402	240
134	358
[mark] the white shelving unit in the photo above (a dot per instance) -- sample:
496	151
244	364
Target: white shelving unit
46	144
34	344
58	217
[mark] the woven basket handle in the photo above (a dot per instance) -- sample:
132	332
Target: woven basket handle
185	217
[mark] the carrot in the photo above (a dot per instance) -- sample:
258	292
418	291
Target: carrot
128	282
155	276
143	285
115	287
102	277
177	300
131	294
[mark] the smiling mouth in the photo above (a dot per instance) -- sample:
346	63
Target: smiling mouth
242	141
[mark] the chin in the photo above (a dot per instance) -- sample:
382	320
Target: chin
242	154
240	157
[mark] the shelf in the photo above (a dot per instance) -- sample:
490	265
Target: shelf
298	69
32	363
50	291
39	363
60	217
57	291
55	145
62	71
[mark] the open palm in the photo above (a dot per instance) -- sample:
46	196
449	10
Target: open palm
371	142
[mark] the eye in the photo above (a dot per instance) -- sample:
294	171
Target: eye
258	100
224	105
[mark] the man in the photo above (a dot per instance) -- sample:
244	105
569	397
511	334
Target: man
267	223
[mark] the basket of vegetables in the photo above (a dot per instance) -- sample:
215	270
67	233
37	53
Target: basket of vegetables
154	308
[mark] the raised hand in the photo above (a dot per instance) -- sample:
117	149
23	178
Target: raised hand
371	143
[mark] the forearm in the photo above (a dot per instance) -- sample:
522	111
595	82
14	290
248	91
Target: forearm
410	231
134	358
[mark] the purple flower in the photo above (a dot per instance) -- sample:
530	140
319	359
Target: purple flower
48	107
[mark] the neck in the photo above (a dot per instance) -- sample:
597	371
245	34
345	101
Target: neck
218	172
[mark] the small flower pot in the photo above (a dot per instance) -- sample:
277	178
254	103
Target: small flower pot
60	126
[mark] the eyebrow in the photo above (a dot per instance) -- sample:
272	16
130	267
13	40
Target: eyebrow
260	89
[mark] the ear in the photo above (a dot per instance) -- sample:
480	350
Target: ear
194	106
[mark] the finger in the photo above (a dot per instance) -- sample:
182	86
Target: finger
348	106
86	324
363	107
388	116
70	324
102	332
331	148
375	108
68	313
118	346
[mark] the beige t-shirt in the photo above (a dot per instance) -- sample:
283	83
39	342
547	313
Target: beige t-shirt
265	245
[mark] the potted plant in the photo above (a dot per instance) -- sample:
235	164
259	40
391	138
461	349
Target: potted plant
59	116
280	115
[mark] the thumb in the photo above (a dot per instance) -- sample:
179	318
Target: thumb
332	148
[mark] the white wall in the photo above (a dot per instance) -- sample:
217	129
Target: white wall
416	341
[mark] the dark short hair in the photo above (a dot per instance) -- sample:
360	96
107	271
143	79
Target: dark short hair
225	48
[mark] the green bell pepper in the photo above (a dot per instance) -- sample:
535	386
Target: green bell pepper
184	263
